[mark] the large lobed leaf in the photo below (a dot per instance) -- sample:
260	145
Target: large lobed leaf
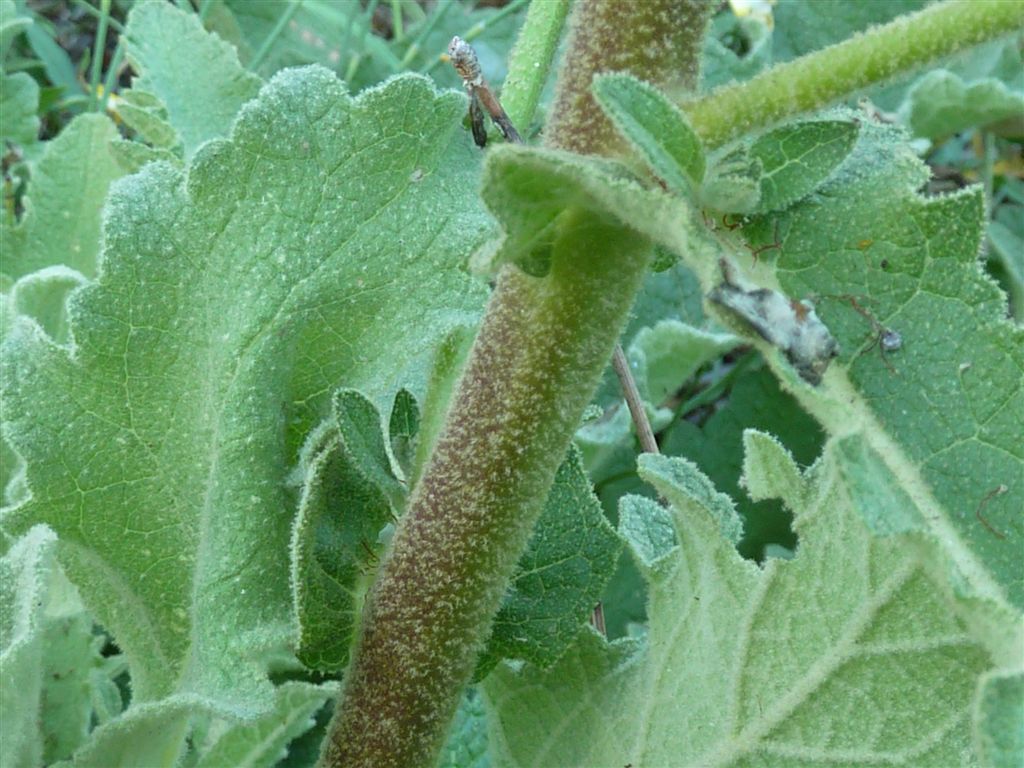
846	654
224	315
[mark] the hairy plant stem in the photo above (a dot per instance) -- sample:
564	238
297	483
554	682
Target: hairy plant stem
826	76
533	369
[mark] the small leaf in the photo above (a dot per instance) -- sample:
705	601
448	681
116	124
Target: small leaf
560	576
334	550
194	73
769	471
733	182
665	356
655	127
647	529
467	740
61	223
11	25
403	428
941	104
359	430
796	159
263	743
19	102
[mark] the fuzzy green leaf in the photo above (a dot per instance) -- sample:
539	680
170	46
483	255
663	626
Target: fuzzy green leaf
655	127
403	429
11	24
743	666
61	223
334	549
534	188
569	559
223	318
195	74
941	104
467	740
25	569
796	159
263	743
667	354
19	101
1000	713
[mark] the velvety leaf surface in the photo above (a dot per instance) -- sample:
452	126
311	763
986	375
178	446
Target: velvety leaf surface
19	100
567	562
194	73
655	127
61	222
848	653
941	104
223	318
467	739
755	401
263	743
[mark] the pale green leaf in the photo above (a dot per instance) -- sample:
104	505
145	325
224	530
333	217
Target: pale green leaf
11	24
1000	719
941	104
796	159
25	570
334	549
149	734
655	127
61	223
403	430
223	318
146	115
533	188
51	670
467	740
733	182
19	101
754	400
194	73
846	654
665	355
359	430
43	294
263	743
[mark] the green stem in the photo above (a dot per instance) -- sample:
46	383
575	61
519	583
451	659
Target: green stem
530	61
110	81
440	11
823	77
97	56
97	14
268	42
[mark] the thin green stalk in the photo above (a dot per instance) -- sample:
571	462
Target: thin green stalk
398	32
837	72
478	29
115	64
530	61
97	56
413	50
279	27
97	14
